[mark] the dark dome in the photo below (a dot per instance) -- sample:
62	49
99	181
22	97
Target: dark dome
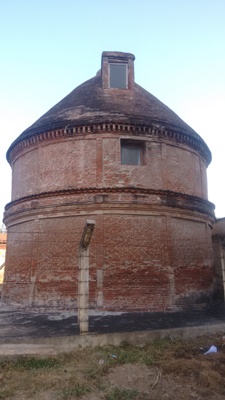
93	102
89	103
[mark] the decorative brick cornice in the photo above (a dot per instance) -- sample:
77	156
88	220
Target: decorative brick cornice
167	197
123	129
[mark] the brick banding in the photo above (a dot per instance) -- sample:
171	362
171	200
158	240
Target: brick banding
168	198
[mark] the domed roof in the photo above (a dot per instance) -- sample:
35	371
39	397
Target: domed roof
89	103
93	102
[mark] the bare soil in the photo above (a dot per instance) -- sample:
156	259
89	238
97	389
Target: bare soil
170	369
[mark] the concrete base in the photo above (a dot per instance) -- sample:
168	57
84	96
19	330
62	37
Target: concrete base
50	347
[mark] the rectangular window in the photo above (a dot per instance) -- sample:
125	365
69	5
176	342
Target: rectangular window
132	152
118	76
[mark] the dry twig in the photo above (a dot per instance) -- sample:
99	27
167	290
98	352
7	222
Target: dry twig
158	377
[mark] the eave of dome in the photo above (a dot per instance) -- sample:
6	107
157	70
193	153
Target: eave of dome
89	104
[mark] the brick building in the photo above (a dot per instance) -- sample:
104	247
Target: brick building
218	238
110	152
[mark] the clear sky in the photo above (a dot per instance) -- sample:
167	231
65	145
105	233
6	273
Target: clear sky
48	47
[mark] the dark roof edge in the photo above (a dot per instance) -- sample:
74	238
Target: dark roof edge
118	54
140	127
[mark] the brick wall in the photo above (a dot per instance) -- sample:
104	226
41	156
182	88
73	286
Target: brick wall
95	161
147	253
218	237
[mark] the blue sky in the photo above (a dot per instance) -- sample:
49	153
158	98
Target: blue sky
48	47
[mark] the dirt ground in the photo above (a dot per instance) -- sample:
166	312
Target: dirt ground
170	369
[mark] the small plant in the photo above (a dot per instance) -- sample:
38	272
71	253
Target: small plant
76	390
121	394
92	373
4	393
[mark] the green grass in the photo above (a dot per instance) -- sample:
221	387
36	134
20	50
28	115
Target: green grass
29	364
74	374
34	363
121	394
129	354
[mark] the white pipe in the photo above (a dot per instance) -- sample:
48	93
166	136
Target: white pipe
2	266
83	277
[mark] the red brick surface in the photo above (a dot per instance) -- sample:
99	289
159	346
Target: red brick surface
151	248
78	162
140	258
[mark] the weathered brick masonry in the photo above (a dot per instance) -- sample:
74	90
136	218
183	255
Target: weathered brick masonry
218	238
152	247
